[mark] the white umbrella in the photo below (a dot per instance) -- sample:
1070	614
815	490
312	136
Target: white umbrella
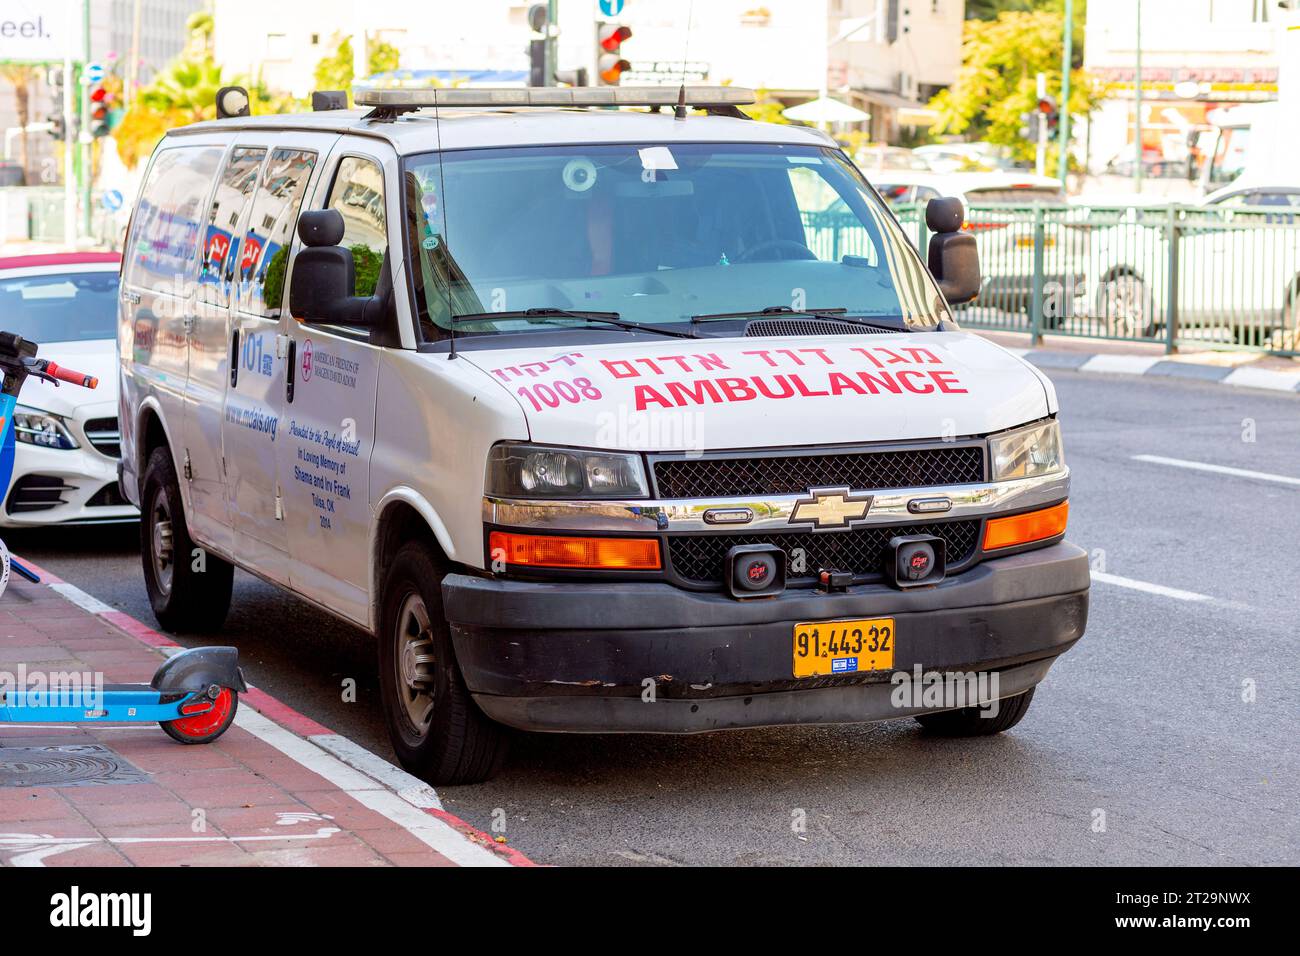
825	110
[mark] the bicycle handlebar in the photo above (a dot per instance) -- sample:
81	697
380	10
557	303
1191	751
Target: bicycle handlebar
68	375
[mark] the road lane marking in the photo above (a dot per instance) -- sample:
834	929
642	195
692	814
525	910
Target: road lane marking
1217	469
1148	587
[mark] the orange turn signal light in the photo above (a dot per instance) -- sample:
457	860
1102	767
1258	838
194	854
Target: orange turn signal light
1022	529
553	551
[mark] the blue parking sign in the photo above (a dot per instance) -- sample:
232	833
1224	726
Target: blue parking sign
611	8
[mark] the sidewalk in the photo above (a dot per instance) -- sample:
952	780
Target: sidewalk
277	789
1237	368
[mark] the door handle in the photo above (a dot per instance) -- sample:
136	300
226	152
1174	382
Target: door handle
234	358
288	371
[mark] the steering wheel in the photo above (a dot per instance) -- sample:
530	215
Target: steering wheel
798	248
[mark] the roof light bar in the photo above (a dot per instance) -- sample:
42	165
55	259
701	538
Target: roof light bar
698	96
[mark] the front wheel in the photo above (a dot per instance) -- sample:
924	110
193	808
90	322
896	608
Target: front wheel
973	722
437	730
189	588
208	726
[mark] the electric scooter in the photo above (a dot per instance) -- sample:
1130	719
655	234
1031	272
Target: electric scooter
193	696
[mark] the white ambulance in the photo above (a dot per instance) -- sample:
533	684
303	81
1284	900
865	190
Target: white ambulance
604	410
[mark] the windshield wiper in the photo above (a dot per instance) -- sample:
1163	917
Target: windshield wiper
546	314
837	314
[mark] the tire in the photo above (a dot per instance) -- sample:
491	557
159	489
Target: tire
437	731
967	721
183	599
207	727
1126	307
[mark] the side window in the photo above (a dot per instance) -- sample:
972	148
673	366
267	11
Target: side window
358	194
166	223
264	248
233	191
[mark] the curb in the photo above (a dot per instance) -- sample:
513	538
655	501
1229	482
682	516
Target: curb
1112	364
420	796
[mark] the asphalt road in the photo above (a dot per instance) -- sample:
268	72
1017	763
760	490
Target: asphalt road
1139	748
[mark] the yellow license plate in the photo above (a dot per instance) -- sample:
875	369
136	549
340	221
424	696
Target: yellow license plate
843	647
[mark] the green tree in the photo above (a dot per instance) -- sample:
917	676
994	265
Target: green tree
997	81
334	72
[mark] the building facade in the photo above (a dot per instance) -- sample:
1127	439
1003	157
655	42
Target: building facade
1200	59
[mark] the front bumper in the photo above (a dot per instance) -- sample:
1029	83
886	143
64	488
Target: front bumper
580	656
63	486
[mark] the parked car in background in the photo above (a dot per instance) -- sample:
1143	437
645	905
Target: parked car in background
871	159
968	158
1004	232
67	443
1237	267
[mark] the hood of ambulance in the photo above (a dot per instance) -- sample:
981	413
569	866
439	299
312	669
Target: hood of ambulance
96	357
722	393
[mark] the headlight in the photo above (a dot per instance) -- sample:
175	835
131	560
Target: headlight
1027	452
41	428
535	471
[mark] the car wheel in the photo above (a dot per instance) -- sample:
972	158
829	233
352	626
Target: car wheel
971	722
188	589
1126	307
437	730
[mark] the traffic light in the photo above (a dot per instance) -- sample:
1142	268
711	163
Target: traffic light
58	128
99	123
1047	107
610	64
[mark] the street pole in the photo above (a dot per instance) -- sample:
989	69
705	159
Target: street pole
1137	107
84	138
1067	56
69	173
548	48
1040	159
133	67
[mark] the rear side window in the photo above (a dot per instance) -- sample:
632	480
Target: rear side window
162	250
264	248
233	191
358	194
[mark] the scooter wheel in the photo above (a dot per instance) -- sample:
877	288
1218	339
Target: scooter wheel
208	726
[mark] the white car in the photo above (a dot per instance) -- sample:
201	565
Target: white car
67	443
588	418
1238	268
1005	237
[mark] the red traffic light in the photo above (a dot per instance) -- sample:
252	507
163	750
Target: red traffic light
610	35
98	94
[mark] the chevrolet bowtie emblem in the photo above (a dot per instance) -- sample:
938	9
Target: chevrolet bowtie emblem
830	508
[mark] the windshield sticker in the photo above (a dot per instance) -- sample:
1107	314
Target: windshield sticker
656	157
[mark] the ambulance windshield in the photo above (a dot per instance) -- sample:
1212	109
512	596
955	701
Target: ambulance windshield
655	234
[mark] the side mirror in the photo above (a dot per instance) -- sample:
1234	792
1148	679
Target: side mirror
953	256
324	277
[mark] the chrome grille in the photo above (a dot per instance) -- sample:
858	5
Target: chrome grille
103	434
795	474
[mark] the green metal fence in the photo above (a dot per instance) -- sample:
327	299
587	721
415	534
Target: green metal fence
1176	275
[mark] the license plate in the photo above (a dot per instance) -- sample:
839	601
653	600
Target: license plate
843	647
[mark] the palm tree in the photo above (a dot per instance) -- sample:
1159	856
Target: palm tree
20	75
